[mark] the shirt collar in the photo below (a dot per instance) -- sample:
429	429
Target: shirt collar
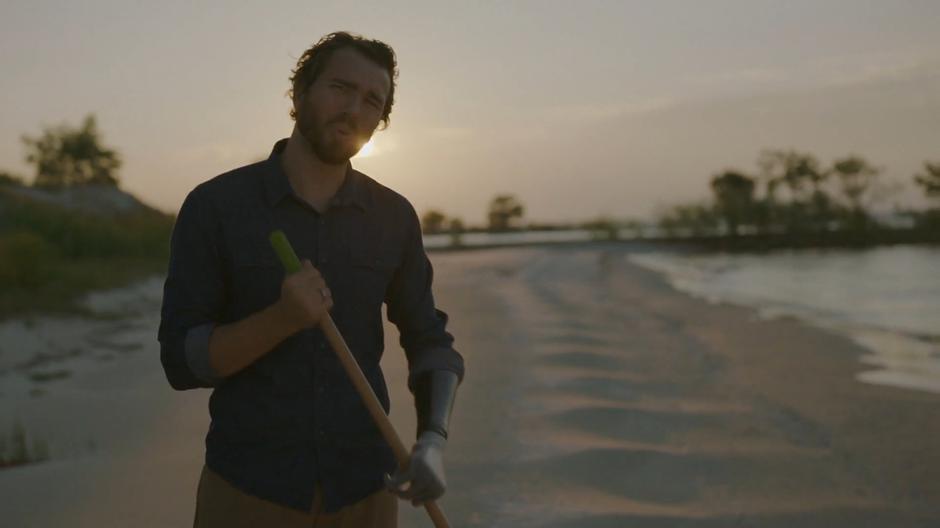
353	190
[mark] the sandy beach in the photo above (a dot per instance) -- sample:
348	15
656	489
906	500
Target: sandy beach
596	396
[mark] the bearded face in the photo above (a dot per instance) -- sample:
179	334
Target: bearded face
334	139
341	109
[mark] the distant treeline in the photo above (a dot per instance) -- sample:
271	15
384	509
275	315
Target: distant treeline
792	200
796	200
505	213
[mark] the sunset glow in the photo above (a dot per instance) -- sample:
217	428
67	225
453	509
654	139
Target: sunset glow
367	150
612	109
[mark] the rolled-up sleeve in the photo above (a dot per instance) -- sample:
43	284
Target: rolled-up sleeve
193	296
410	306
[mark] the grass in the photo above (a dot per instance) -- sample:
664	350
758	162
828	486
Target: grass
65	282
14	450
50	257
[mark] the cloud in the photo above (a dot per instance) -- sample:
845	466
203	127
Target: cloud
450	133
756	75
593	112
826	72
215	153
874	67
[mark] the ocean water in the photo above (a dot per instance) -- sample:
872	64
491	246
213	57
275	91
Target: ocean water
507	239
886	299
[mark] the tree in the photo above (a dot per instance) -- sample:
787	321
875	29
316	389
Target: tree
455	225
636	227
734	198
771	166
456	228
770	163
8	178
803	177
503	210
432	221
602	228
66	156
929	181
798	171
857	178
696	219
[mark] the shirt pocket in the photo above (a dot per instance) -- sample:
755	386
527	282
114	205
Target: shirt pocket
256	276
371	271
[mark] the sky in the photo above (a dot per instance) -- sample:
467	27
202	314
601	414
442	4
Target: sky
579	109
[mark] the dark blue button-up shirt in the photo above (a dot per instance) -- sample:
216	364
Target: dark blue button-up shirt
292	420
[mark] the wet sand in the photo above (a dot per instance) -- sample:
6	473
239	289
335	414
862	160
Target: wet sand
596	396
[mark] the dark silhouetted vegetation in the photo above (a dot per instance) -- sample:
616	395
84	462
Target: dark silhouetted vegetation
734	199
504	211
51	250
432	222
15	451
64	155
929	182
49	255
796	201
456	229
603	228
8	178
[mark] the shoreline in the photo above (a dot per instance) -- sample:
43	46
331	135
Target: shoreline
899	352
697	415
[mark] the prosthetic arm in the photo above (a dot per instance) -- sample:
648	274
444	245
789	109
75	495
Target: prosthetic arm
435	393
434	401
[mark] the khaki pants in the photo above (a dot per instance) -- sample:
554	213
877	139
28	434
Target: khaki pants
221	505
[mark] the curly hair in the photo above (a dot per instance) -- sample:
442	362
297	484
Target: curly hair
314	60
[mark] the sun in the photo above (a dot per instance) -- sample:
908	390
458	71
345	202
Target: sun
367	150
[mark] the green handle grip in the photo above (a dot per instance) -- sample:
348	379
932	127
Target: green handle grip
284	251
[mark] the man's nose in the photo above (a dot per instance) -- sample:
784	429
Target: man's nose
353	105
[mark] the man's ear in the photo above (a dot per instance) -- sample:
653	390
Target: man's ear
298	99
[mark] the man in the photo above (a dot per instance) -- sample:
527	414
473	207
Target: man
290	443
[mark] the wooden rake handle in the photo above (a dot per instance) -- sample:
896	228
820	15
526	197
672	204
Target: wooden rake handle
291	265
